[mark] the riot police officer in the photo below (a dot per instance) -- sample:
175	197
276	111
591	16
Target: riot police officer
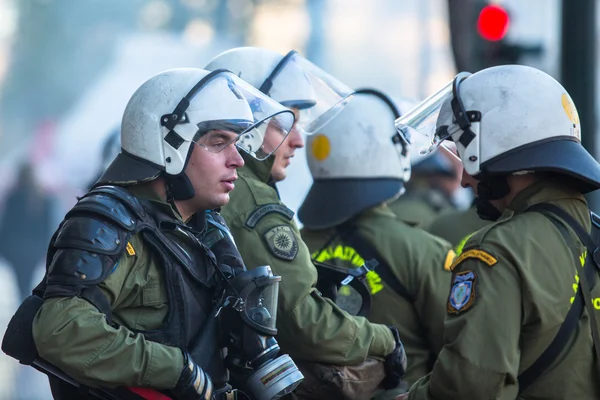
130	288
311	328
359	163
521	321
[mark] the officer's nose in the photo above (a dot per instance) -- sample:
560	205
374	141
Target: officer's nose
468	181
295	139
234	158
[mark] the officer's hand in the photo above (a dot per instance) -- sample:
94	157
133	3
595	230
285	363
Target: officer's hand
194	383
395	363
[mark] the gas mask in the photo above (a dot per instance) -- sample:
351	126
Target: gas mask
346	287
247	325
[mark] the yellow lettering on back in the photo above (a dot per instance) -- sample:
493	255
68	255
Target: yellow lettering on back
374	281
347	253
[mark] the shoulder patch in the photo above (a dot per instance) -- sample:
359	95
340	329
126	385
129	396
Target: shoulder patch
282	242
449	261
263	210
463	293
475	253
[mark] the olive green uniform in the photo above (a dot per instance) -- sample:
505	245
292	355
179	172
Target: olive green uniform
310	327
420	204
72	334
417	260
512	288
457	226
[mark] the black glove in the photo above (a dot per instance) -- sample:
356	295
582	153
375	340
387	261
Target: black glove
395	363
194	383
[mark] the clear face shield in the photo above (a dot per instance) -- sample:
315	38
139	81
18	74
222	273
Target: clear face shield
237	113
297	83
260	308
421	126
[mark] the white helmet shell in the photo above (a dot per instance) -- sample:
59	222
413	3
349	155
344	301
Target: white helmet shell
142	134
291	80
519	105
354	162
520	119
252	64
155	139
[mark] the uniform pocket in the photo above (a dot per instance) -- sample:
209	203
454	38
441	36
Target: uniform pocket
151	295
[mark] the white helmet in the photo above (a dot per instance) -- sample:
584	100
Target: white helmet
291	80
176	108
357	161
507	119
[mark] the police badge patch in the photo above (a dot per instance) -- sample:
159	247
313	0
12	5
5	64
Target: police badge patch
282	242
462	294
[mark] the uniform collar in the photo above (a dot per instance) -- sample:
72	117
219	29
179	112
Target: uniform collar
145	192
543	191
259	170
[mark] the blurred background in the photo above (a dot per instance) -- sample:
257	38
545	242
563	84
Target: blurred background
68	67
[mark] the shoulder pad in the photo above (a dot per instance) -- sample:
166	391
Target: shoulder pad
84	252
266	209
112	203
124	196
90	234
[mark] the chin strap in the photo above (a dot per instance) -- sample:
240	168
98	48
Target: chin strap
179	187
490	188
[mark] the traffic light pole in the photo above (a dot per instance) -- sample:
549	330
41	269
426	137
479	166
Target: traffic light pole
578	69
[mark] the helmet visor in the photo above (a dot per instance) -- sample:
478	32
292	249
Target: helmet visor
240	114
421	124
297	83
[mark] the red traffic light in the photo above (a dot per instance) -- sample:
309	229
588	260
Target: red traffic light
492	23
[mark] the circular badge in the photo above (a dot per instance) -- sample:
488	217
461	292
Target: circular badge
321	147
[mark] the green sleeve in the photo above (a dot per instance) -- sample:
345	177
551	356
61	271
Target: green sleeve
480	357
72	334
431	295
311	327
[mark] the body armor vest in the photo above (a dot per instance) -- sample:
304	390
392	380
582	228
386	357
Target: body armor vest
94	235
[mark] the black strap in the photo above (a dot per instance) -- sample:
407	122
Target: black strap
582	297
350	235
331	276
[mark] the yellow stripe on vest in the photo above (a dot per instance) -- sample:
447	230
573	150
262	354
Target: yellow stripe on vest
130	249
478	254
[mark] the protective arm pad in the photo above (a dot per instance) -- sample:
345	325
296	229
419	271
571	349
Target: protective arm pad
194	383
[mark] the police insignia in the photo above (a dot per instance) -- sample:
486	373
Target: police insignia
265	209
281	242
462	294
479	254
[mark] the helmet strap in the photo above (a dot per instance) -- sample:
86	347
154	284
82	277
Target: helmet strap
178	187
490	188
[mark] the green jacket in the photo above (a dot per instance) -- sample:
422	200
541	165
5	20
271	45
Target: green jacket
72	334
311	328
417	259
420	205
457	226
512	288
